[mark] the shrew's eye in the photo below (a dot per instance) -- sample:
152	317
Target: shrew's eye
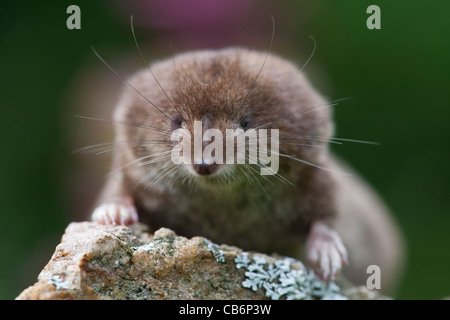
177	122
244	124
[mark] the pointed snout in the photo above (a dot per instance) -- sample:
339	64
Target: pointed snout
205	169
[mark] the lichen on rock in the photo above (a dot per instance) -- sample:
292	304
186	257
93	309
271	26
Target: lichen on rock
285	278
116	262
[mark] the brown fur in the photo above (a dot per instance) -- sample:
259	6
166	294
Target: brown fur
265	216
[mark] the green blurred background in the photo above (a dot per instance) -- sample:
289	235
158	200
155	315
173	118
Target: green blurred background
397	77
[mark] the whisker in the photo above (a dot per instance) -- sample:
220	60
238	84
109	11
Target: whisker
335	140
165	173
311	55
259	183
259	108
158	157
151	173
92	148
301	144
262	165
117	170
310	138
174	175
259	140
313	164
329	105
246	175
268	123
263	64
180	87
169	173
111	146
298	71
128	83
162	156
148	66
138	125
357	141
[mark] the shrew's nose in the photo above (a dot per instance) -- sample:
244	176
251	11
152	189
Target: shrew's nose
205	169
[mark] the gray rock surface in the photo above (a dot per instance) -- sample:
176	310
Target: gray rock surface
117	262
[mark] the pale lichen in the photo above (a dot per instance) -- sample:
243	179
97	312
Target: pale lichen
158	245
59	282
280	280
218	253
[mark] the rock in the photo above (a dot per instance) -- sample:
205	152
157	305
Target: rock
117	262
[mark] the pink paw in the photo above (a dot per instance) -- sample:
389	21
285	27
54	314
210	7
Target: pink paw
325	252
121	212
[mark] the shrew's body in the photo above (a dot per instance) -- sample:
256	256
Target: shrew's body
309	210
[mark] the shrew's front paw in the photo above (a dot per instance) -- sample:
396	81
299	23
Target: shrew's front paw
121	211
325	252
